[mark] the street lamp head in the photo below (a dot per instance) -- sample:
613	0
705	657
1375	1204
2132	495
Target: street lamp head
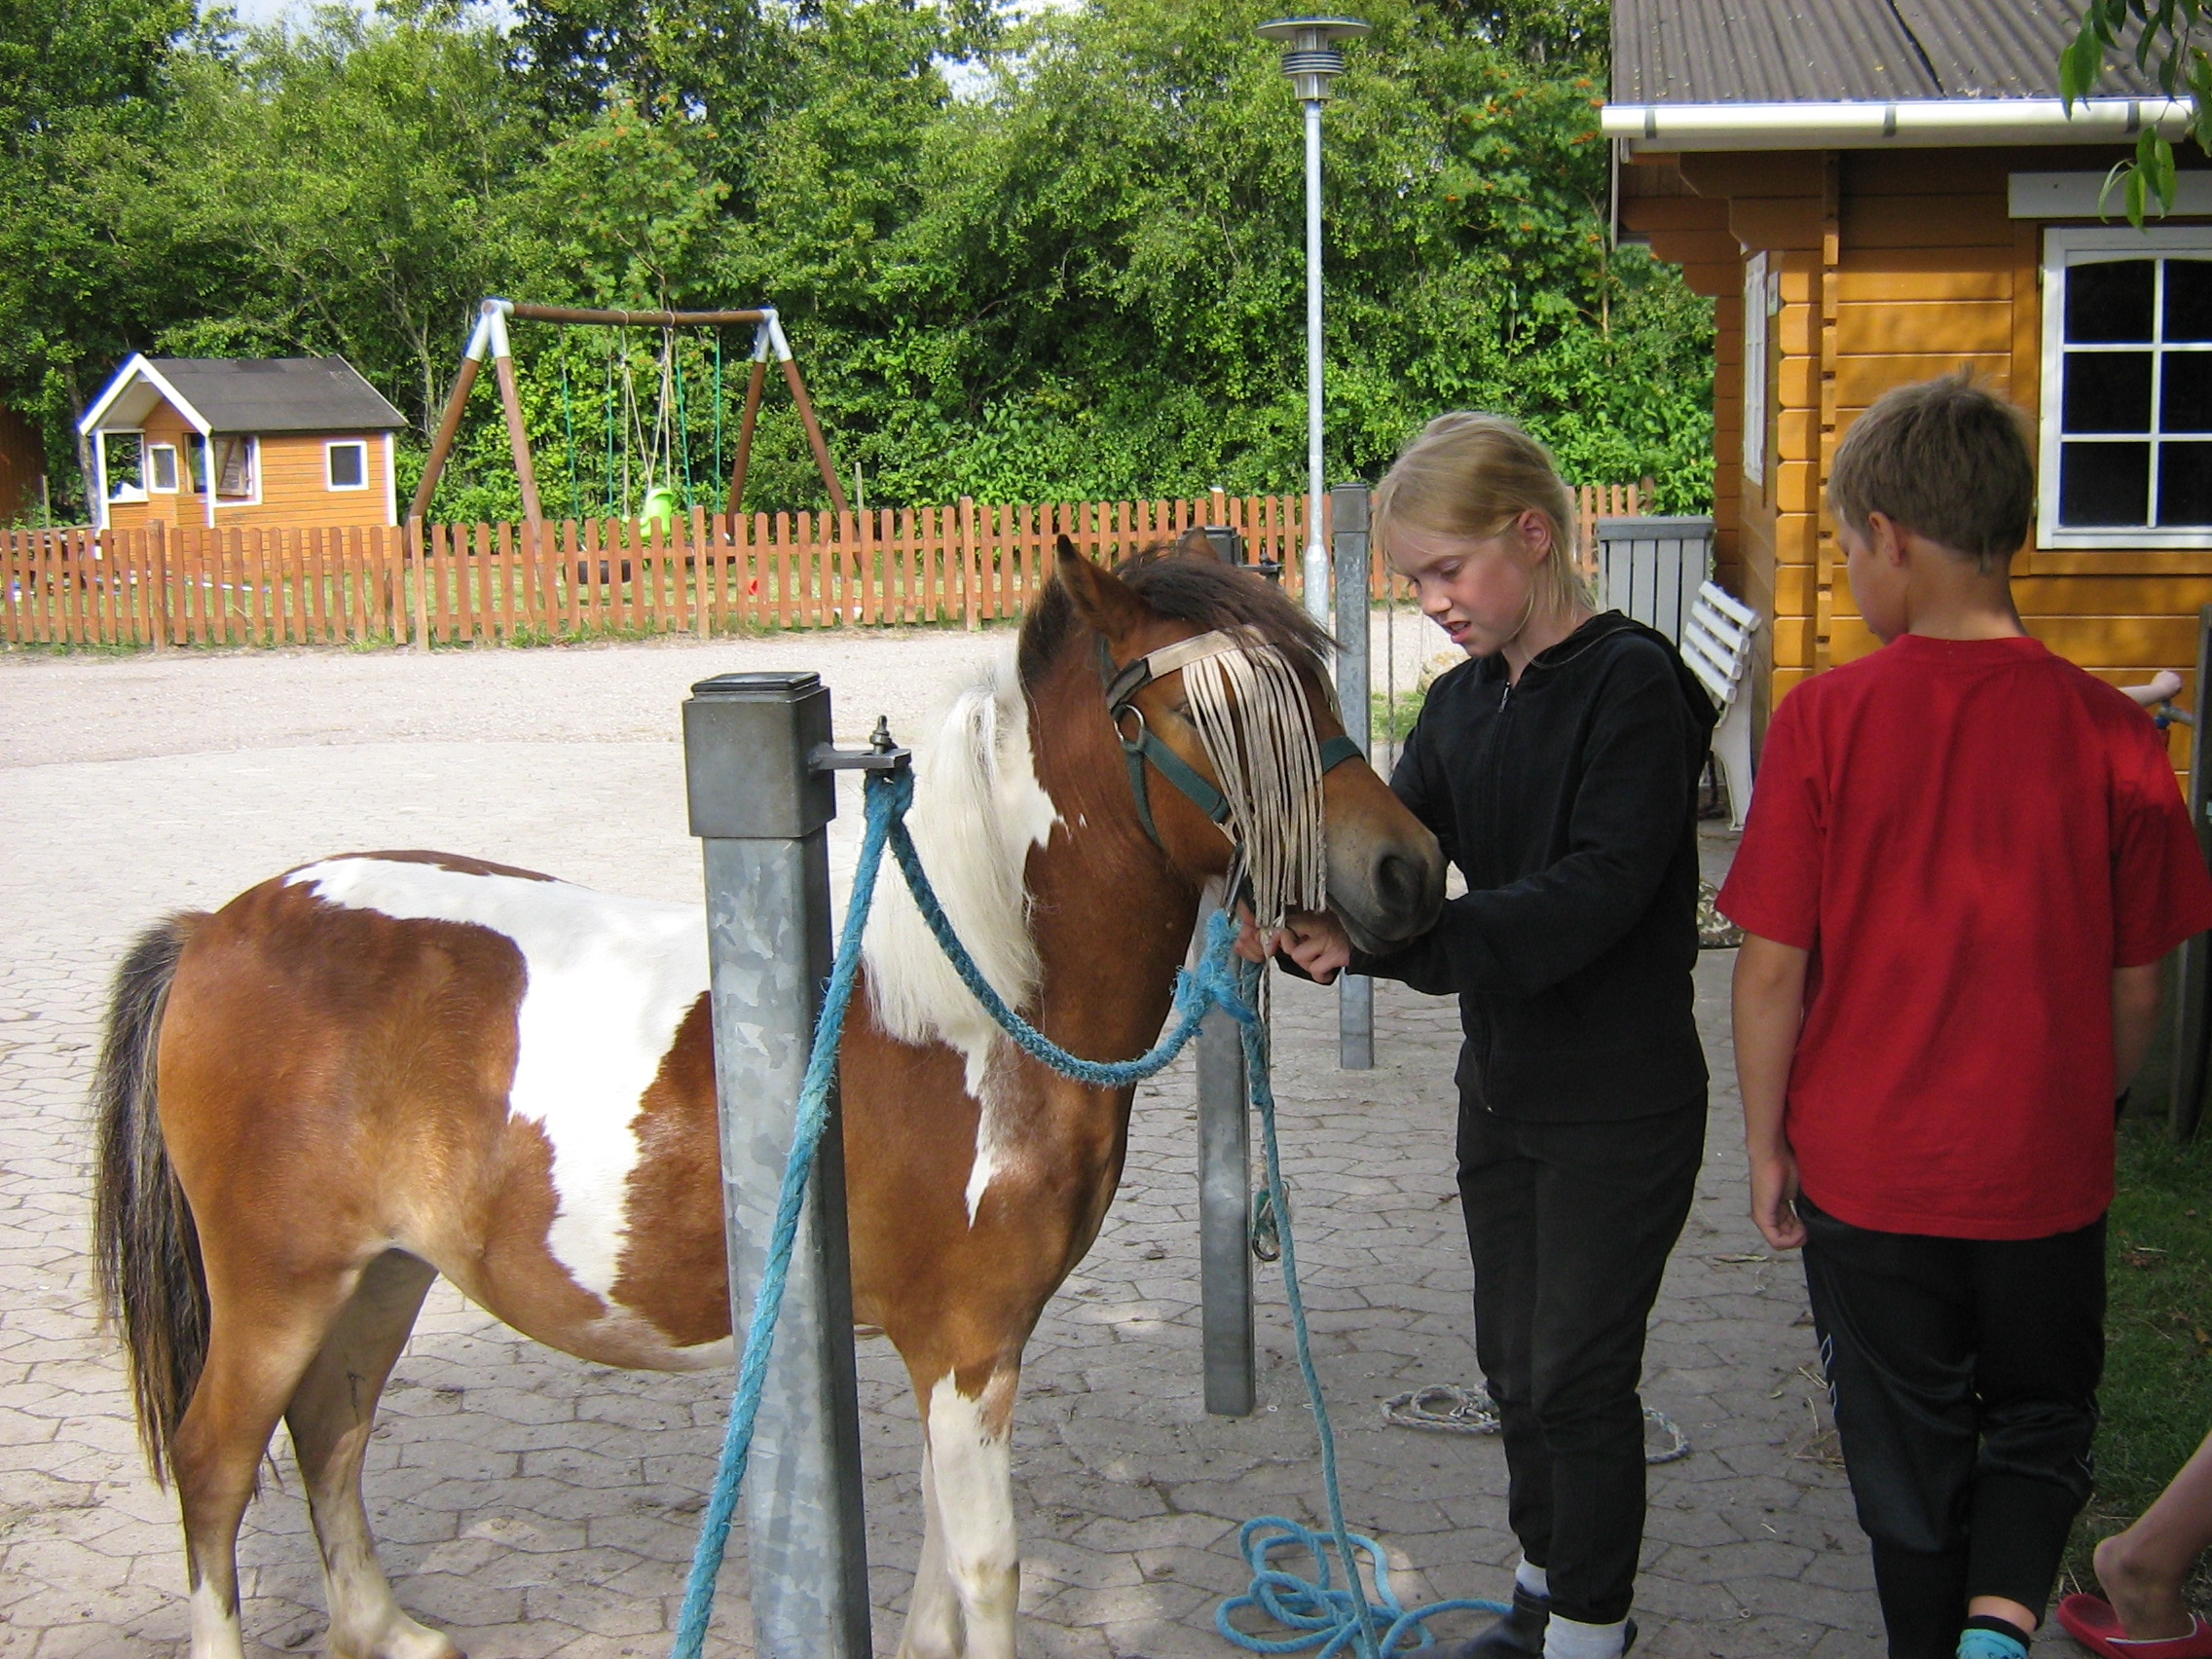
1309	56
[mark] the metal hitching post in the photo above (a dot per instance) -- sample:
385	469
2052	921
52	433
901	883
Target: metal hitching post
1224	1199
1355	993
761	802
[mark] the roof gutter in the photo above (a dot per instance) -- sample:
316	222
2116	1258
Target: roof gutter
1906	124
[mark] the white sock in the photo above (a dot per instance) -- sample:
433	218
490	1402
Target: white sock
1532	1578
1564	1638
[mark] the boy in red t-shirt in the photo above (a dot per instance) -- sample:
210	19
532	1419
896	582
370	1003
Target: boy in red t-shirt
1964	860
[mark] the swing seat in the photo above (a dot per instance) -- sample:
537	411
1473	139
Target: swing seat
660	507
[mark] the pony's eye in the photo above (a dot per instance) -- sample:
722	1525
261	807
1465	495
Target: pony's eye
1181	710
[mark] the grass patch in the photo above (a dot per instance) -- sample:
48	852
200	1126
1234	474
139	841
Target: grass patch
2157	1387
1391	725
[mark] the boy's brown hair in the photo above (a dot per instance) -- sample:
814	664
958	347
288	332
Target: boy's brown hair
1946	459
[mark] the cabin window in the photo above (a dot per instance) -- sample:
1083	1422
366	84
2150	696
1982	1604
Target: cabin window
194	463
122	462
234	470
1755	367
161	468
347	465
2127	388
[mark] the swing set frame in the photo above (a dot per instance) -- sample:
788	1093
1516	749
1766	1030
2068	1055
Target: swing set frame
488	339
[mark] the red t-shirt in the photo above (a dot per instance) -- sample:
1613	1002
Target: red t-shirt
1969	835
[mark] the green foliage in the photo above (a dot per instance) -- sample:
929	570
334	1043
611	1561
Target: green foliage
2164	30
2156	1397
1081	273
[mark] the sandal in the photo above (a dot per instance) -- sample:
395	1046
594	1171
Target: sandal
2090	1621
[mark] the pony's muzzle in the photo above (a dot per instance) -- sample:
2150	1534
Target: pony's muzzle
1390	894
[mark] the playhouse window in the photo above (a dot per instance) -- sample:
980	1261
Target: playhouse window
233	469
161	468
123	459
348	464
2127	390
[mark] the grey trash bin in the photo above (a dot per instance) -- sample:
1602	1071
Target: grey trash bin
1650	568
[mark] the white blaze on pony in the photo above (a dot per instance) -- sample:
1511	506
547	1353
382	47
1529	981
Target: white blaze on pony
385	1067
978	810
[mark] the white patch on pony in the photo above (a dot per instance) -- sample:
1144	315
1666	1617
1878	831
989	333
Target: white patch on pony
215	1632
994	1145
608	981
972	1470
979	809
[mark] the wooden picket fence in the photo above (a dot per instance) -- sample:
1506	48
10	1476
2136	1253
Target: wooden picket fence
444	583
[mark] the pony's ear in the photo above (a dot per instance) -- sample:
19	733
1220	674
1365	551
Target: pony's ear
1100	597
1196	543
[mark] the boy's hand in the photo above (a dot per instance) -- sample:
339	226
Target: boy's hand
1774	1200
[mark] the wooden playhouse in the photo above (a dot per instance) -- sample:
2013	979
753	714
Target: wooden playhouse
1875	193
242	442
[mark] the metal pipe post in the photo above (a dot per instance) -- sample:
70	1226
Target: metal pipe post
1316	570
1355	993
1225	1198
762	807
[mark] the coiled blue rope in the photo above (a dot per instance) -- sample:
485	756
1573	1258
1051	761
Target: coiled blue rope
1322	1613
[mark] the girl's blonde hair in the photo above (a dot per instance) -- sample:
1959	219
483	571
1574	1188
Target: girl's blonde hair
1472	475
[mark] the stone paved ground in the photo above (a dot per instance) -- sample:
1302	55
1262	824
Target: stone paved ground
537	1505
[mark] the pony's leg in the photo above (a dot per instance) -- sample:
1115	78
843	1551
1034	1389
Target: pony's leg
258	1347
933	1611
330	1418
971	1439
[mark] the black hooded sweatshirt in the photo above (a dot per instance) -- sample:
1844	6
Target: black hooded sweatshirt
1569	801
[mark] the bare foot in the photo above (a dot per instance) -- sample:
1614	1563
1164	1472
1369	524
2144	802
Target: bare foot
2150	1607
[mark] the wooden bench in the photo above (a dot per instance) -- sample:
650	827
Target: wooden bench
1716	645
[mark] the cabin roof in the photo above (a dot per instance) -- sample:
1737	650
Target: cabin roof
1707	52
248	395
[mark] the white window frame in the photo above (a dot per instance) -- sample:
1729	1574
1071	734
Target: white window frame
218	503
331	449
121	494
2064	247
1755	367
151	473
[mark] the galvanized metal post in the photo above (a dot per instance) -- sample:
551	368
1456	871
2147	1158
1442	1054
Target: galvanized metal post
1355	993
1224	1196
761	806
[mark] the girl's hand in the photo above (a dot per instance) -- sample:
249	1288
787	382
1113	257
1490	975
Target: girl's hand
1248	942
1317	942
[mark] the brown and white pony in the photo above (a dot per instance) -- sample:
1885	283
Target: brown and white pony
383	1067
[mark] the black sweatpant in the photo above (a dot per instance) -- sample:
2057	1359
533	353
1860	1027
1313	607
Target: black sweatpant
1964	1374
1569	1226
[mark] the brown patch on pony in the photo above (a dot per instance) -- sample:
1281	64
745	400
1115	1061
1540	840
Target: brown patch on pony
674	1269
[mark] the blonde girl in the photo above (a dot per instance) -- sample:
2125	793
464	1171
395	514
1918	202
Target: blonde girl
1558	768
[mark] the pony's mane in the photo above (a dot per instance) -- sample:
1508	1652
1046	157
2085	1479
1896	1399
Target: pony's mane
1188	588
977	810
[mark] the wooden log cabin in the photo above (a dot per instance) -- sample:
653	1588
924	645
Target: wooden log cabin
229	443
1875	191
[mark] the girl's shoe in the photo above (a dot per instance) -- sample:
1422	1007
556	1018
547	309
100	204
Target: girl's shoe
1519	1632
2090	1621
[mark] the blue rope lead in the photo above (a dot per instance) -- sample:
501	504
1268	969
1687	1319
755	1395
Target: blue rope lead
1321	1614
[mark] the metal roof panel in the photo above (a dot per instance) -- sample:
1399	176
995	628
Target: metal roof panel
1824	51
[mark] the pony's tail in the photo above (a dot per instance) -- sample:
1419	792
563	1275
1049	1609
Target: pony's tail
145	1248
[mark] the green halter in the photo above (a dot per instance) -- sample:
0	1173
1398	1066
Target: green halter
1121	686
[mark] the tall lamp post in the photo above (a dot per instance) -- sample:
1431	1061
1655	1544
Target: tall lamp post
1312	60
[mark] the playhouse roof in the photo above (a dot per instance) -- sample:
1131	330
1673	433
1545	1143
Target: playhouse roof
248	395
1841	51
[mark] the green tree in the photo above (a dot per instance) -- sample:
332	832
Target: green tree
87	255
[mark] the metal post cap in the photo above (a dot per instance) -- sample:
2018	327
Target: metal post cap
1310	58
